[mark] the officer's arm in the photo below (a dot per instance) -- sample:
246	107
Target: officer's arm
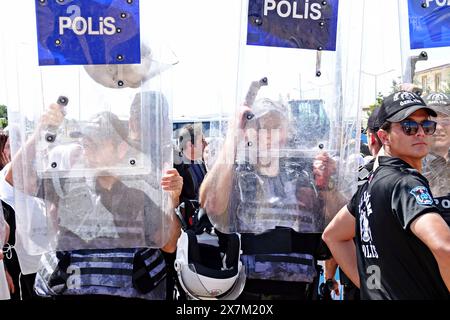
53	117
435	233
216	187
333	200
172	183
339	236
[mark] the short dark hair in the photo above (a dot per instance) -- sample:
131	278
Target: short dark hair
372	123
189	133
386	126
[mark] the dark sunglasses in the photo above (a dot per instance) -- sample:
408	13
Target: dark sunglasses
410	127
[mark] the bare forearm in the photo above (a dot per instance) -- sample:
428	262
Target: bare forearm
334	201
434	232
174	228
216	187
330	268
174	234
344	252
24	154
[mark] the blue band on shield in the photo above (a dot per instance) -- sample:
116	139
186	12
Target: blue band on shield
429	23
84	32
293	24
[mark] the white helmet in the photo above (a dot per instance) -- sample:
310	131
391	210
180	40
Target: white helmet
209	266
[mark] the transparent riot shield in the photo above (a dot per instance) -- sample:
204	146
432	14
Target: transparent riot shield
90	92
425	34
288	159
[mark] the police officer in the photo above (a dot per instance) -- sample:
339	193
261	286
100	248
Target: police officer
437	163
105	272
190	165
276	202
402	243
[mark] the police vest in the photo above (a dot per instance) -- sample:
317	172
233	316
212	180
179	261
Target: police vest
261	203
286	250
132	273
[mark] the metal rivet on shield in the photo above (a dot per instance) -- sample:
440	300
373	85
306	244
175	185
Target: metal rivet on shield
324	3
321	146
249	143
129	1
318	74
319	48
132	162
123	15
119	57
58	42
54	165
424	5
258	21
42	1
60	1
120	83
118	30
62	100
321	23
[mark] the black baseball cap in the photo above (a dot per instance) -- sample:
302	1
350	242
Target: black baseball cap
439	101
400	105
372	122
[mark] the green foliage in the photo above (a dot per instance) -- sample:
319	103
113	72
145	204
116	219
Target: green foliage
3	111
3	116
447	89
375	105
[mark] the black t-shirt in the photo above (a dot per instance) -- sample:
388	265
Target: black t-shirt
392	262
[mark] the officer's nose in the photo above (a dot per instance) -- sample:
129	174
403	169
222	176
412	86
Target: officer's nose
421	131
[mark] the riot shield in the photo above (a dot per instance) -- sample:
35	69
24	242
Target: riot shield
92	179
288	159
425	34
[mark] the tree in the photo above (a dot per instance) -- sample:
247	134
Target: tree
375	105
3	116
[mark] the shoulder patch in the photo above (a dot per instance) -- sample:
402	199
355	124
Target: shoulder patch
422	196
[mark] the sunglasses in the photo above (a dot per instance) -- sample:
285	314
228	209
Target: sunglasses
410	127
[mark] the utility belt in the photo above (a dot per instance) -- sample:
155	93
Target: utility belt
123	272
281	254
284	240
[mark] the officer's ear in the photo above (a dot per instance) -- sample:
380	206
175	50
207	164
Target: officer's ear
384	137
372	138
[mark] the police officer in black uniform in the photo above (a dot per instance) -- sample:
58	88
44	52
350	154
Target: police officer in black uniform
402	243
190	165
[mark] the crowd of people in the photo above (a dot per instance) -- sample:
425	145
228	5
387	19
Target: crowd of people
390	241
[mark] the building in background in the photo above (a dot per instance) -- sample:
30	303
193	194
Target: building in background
435	79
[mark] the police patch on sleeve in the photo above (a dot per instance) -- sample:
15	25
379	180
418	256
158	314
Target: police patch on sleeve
422	196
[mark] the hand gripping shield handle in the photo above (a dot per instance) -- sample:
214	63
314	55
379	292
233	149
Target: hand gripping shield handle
50	135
